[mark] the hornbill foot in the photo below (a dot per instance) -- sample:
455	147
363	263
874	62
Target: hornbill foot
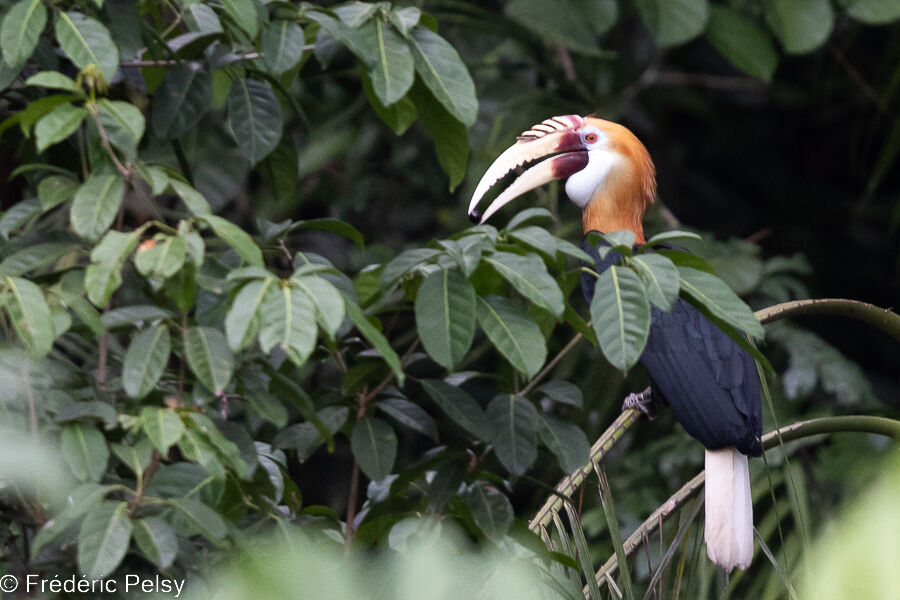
643	402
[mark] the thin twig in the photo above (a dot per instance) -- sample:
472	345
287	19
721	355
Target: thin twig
549	366
351	507
101	360
104	141
144	481
860	81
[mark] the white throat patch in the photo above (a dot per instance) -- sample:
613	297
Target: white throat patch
581	186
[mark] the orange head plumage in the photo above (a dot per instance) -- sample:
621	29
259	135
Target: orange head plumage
608	170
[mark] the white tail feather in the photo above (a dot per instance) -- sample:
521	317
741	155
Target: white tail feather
729	509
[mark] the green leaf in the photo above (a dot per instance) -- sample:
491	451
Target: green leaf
660	277
244	14
157	541
674	22
21	29
267	406
377	339
104	538
254	115
405	18
337	226
180	102
163	426
449	135
56	189
720	300
32	258
96	204
491	510
872	12
562	392
566	440
562	24
409	414
306	437
287	319
528	274
86	41
537	238
237	238
443	72
204	519
85	451
196	447
742	42
242	320
124	125
209	357
81	499
392	69
399	115
30	315
145	361
374	446
800	25
136	314
513	333
103	276
621	314
198	206
282	45
460	406
445	316
514	425
326	298
404	262
58	124
667	237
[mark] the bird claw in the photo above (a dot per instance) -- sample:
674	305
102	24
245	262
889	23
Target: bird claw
642	402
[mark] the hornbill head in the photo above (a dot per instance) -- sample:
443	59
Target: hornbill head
609	172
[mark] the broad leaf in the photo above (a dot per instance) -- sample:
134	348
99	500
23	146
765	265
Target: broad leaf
103	276
674	22
445	316
56	189
96	204
528	274
86	41
562	392
720	300
667	237
85	451
660	277
237	238
491	509
104	538
514	423
288	320
30	315
513	333
800	25
157	540
742	42
244	14
326	298
306	437
371	333
392	70
399	115
562	24
204	519
209	357
124	124
566	440
145	361
282	45
441	69
872	12
409	414
445	130
58	124
163	426
180	102
21	29
621	314
242	320
460	406
374	446
254	115
161	257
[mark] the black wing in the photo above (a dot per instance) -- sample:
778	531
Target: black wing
710	382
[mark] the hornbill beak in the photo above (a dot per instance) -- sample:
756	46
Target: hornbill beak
558	138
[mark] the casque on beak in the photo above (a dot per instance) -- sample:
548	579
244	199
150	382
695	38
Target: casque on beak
557	137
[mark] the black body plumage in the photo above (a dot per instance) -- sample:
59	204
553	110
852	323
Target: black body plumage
709	381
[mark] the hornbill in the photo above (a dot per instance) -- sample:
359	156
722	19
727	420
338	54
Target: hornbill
709	380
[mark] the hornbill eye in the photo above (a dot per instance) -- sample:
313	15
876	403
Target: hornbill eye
590	138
